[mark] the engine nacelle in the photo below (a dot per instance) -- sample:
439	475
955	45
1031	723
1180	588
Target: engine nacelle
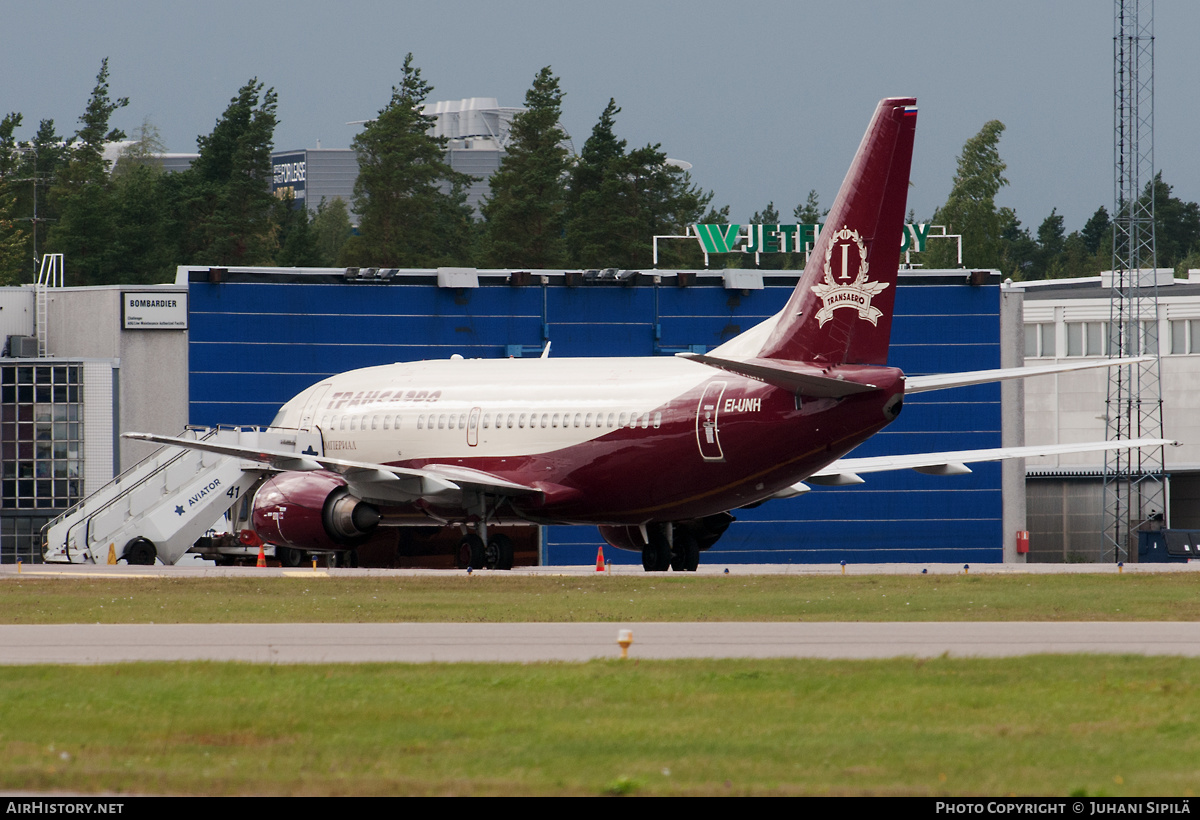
312	511
623	537
707	531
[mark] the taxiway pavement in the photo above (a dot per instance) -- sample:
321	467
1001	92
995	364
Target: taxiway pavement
540	642
537	642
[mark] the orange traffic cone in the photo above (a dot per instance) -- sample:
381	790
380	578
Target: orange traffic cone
600	559
262	558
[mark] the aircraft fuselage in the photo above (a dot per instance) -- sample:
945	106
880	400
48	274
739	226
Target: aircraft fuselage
606	441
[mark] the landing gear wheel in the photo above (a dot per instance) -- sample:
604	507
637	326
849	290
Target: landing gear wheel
649	558
140	551
470	552
656	556
290	557
500	552
346	558
686	555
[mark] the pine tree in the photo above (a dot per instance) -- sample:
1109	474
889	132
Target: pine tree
139	190
810	212
41	166
526	211
1096	230
767	261
223	211
143	244
14	260
620	201
297	240
767	216
14	264
411	205
595	220
599	156
1176	223
1052	240
1018	249
332	228
82	194
87	147
32	167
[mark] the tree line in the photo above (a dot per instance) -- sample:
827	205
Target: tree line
132	222
994	237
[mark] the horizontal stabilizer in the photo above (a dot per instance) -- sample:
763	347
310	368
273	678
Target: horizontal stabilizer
800	379
944	381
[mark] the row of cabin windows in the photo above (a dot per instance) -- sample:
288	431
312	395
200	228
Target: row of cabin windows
460	421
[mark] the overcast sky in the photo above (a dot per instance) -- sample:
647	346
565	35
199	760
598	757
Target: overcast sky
766	100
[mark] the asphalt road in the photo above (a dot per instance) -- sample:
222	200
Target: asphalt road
525	643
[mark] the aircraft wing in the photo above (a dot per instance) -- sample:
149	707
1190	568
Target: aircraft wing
846	470
944	381
426	481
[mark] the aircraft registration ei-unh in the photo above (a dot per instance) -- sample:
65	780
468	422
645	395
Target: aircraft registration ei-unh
655	451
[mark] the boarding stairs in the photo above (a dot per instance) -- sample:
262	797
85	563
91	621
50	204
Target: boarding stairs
162	505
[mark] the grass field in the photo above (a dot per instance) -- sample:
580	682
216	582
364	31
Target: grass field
495	597
1030	726
1043	725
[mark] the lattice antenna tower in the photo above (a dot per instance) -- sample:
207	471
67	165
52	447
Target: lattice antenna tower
1134	480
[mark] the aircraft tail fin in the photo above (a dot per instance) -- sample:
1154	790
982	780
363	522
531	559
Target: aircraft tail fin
841	310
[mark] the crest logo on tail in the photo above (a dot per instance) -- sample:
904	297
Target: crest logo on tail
839	291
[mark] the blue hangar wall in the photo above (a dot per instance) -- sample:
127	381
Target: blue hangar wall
261	336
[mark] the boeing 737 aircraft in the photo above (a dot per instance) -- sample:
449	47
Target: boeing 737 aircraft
654	451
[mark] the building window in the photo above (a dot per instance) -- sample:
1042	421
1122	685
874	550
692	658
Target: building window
1185	336
1149	338
21	539
1086	338
1138	338
1039	340
41	436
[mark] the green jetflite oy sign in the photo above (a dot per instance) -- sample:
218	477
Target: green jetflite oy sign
792	238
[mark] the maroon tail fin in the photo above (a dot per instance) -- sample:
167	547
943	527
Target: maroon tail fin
841	310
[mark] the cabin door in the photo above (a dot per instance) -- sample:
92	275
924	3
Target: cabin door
473	427
313	406
708	434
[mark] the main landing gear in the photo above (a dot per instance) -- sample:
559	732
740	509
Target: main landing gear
680	551
497	553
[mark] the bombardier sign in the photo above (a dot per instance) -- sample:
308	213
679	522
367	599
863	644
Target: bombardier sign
154	310
796	238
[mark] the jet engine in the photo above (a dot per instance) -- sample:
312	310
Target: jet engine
676	545
705	530
312	511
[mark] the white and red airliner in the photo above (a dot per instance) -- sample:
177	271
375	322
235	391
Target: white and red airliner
654	451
